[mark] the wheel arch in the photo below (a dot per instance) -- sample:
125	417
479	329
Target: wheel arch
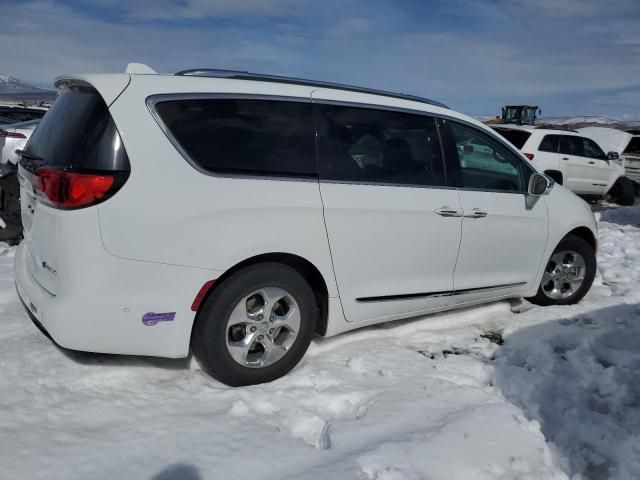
303	266
586	234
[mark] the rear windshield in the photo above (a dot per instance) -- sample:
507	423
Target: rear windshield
634	146
516	137
78	132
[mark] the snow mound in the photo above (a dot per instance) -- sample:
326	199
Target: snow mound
580	378
435	398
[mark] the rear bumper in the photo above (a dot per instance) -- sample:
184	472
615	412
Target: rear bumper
33	318
104	313
33	297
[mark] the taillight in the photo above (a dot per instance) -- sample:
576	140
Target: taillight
5	134
529	156
67	189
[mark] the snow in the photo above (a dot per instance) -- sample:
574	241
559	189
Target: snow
432	398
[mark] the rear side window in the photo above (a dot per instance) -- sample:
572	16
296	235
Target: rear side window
571	146
550	143
634	147
265	137
516	137
378	146
66	126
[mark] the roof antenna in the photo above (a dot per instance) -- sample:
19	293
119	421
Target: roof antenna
139	68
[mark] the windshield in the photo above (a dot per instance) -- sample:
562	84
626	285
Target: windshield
634	146
516	137
513	114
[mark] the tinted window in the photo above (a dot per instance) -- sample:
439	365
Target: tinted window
592	150
482	162
571	145
516	137
62	131
550	143
253	136
362	144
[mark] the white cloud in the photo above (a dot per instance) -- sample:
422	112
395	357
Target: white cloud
482	55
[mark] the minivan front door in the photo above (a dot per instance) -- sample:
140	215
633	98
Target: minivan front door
393	225
504	231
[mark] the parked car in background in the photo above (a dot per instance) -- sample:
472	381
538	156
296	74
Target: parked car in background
12	137
237	215
626	144
573	160
22	113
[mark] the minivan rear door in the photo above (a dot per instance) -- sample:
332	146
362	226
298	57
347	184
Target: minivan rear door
393	226
66	137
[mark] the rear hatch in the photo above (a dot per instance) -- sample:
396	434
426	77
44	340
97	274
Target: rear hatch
74	160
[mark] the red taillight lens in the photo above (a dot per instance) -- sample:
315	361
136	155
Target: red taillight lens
529	156
68	189
5	134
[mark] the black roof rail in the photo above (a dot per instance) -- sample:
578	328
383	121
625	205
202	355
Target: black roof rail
259	77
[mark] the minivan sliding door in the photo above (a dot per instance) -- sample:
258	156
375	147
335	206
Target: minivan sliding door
393	225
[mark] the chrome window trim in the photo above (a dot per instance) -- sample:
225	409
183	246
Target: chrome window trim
152	101
446	293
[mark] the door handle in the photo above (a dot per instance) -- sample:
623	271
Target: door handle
565	158
591	162
448	212
475	213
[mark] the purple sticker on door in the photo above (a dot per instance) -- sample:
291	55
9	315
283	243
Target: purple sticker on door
151	318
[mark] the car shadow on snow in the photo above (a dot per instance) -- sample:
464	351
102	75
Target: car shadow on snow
89	358
579	377
178	471
622	216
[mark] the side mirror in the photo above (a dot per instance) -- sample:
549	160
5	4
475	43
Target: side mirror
538	184
613	156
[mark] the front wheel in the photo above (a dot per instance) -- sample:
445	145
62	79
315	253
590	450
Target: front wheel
623	192
569	273
256	326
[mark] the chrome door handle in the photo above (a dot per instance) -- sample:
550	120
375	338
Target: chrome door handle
475	213
448	212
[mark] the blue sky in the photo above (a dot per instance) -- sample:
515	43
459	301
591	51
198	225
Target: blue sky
573	57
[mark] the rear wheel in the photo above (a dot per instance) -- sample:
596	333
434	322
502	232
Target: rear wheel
568	274
623	192
256	326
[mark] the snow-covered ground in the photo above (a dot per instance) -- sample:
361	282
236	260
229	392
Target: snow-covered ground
432	398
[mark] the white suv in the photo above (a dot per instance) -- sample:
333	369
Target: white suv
238	215
573	160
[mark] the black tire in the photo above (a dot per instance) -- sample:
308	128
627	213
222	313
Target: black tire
623	192
575	244
209	336
10	199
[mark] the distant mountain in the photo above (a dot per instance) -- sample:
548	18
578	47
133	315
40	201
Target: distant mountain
589	121
15	90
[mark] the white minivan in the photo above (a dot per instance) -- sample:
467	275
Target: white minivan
236	215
